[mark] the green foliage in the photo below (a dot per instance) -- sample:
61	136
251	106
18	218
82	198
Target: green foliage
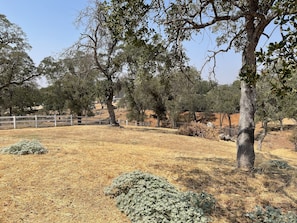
147	198
271	215
273	166
16	66
20	99
73	83
24	147
225	98
279	57
280	164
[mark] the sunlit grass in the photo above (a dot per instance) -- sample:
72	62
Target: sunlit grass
66	184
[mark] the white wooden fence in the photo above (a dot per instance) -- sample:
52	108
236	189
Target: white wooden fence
39	121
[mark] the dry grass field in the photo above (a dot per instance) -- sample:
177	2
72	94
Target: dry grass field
67	183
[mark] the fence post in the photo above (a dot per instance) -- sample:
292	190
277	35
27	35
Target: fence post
71	121
36	122
14	121
55	118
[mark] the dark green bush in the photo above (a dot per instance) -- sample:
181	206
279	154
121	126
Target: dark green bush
271	215
147	198
25	147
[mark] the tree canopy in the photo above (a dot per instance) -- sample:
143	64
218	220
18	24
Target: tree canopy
238	25
16	67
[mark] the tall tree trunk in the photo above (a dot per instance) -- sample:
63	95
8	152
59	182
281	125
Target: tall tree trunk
245	139
248	74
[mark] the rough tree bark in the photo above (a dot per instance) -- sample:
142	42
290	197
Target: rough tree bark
245	139
248	73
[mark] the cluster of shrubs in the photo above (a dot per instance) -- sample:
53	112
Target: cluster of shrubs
198	129
147	198
150	199
273	165
271	214
279	164
24	147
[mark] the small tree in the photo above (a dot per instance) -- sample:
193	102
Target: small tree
271	104
79	84
73	83
53	98
135	100
20	100
224	99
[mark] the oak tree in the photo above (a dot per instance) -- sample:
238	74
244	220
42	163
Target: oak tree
238	25
16	66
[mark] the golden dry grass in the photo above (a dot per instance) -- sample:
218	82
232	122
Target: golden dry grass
66	184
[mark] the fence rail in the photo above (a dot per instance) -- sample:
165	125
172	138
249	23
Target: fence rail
39	121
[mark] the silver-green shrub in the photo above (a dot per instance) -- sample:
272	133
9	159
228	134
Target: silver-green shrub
280	164
271	215
25	147
147	198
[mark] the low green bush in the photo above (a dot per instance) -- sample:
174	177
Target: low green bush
150	199
271	215
25	147
280	164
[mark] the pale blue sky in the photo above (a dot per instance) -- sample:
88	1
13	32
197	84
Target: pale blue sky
49	26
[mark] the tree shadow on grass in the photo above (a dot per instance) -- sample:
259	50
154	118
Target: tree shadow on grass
278	176
233	187
219	177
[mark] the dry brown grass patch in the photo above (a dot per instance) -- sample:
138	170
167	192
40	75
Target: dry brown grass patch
66	184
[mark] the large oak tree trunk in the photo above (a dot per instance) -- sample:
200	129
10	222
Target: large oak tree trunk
245	139
248	73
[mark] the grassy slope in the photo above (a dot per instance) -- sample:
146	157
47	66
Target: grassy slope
66	185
